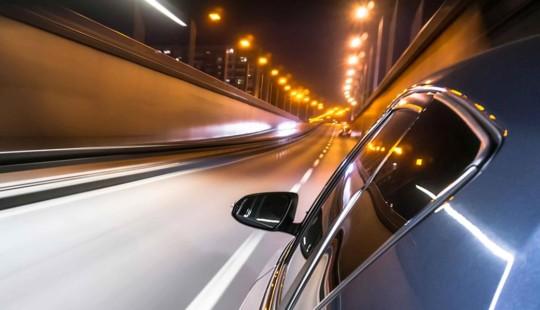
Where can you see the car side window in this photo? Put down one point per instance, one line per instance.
(352, 180)
(431, 155)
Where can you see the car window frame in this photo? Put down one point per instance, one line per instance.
(272, 295)
(491, 139)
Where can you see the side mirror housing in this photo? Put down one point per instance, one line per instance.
(272, 211)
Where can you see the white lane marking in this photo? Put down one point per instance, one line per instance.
(212, 292)
(45, 204)
(296, 188)
(40, 205)
(306, 176)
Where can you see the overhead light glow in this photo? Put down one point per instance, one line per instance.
(355, 42)
(352, 60)
(361, 12)
(158, 6)
(244, 43)
(350, 72)
(263, 61)
(214, 16)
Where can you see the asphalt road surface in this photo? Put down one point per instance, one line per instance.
(163, 242)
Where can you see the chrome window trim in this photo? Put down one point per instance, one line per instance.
(490, 140)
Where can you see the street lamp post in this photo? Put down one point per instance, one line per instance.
(192, 42)
(214, 17)
(245, 43)
(262, 61)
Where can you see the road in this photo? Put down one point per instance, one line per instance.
(164, 242)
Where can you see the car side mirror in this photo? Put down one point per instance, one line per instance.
(272, 211)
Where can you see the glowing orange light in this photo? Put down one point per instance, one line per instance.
(355, 42)
(398, 150)
(214, 16)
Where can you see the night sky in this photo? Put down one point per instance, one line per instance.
(306, 37)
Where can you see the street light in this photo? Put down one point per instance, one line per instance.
(244, 43)
(274, 72)
(352, 60)
(350, 72)
(282, 80)
(262, 61)
(214, 17)
(287, 87)
(355, 42)
(361, 13)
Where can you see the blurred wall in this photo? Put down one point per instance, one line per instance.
(58, 93)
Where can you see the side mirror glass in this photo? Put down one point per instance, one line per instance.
(269, 211)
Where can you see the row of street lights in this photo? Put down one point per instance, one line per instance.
(355, 64)
(277, 87)
(272, 84)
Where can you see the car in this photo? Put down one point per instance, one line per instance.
(345, 130)
(436, 207)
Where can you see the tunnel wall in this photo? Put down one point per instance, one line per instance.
(57, 93)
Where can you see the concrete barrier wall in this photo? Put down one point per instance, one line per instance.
(57, 93)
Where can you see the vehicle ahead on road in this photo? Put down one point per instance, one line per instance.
(345, 129)
(430, 210)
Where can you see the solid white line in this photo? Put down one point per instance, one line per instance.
(212, 292)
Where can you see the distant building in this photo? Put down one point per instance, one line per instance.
(223, 63)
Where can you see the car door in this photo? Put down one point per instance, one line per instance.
(429, 140)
